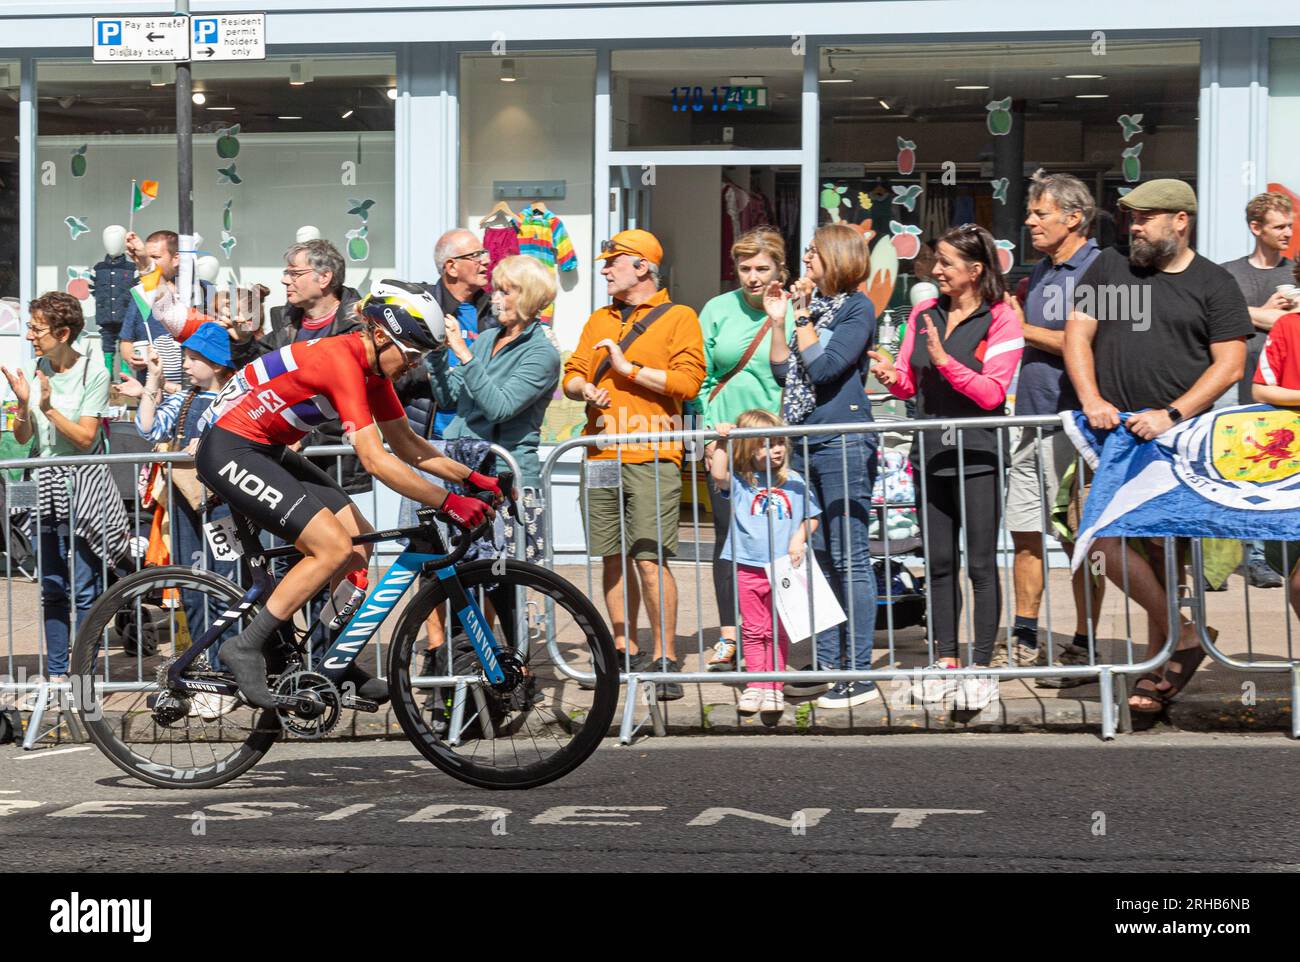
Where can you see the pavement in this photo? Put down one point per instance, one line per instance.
(1155, 803)
(1254, 625)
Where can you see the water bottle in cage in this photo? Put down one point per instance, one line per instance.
(347, 598)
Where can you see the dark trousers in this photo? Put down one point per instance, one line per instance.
(724, 588)
(942, 527)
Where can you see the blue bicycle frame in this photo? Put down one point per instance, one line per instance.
(361, 627)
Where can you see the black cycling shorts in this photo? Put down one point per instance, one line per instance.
(276, 488)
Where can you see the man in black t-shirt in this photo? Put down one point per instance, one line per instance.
(1159, 335)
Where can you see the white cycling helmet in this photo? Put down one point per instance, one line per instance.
(407, 313)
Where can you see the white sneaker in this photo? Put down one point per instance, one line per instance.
(977, 692)
(209, 706)
(933, 686)
(773, 701)
(751, 702)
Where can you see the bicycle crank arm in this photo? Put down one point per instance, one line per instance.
(302, 705)
(359, 704)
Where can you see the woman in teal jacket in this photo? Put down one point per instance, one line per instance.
(507, 376)
(737, 351)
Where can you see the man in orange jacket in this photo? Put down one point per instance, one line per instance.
(638, 388)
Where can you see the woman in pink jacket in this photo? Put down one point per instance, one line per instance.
(958, 356)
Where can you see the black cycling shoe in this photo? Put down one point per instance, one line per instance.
(365, 685)
(247, 662)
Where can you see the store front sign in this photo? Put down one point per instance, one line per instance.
(141, 39)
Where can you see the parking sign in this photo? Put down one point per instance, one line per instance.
(141, 39)
(240, 36)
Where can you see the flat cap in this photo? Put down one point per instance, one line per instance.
(1164, 194)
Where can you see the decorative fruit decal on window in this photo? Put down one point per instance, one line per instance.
(906, 239)
(229, 175)
(1132, 163)
(1000, 189)
(228, 215)
(228, 242)
(228, 142)
(1006, 260)
(1130, 124)
(906, 196)
(79, 283)
(360, 208)
(78, 163)
(76, 225)
(358, 246)
(831, 199)
(999, 118)
(906, 156)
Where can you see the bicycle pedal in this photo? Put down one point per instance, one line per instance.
(359, 704)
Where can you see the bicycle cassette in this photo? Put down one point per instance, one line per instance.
(319, 704)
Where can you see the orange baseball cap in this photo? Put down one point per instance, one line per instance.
(639, 243)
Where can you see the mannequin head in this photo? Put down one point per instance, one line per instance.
(307, 233)
(206, 268)
(114, 240)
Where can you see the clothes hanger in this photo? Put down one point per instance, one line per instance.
(500, 209)
(540, 206)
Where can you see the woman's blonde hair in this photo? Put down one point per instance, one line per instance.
(761, 240)
(535, 283)
(846, 262)
(745, 450)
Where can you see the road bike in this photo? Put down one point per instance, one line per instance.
(520, 692)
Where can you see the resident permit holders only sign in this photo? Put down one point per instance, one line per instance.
(234, 37)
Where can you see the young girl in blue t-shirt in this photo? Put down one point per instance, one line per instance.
(773, 514)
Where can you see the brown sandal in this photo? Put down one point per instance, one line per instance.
(1186, 662)
(1154, 694)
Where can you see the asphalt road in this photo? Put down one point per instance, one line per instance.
(1164, 803)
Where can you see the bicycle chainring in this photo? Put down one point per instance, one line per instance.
(323, 693)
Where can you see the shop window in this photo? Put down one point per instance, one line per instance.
(278, 145)
(1284, 125)
(915, 138)
(742, 98)
(527, 126)
(9, 80)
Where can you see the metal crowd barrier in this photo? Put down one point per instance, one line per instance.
(642, 685)
(35, 693)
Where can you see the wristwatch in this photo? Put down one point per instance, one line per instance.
(802, 320)
(1175, 415)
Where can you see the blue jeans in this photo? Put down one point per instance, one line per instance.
(84, 579)
(190, 548)
(843, 544)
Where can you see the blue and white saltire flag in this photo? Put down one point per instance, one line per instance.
(1229, 473)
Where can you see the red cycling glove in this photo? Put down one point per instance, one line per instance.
(469, 513)
(484, 482)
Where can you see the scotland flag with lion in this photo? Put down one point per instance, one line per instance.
(1229, 473)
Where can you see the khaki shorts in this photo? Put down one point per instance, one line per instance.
(1025, 499)
(649, 514)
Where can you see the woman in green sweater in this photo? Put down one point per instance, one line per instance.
(737, 348)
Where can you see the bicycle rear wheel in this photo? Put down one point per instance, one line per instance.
(526, 735)
(124, 718)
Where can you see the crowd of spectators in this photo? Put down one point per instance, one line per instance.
(771, 354)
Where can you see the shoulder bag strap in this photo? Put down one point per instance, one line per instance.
(744, 358)
(639, 328)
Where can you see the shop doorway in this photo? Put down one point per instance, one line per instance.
(697, 211)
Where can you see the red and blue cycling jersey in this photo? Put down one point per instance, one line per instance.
(283, 395)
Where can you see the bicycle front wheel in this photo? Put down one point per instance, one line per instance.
(511, 736)
(171, 744)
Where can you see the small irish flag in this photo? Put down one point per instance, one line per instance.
(143, 193)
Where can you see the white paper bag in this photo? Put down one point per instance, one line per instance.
(791, 585)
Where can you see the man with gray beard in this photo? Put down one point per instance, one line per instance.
(1158, 369)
